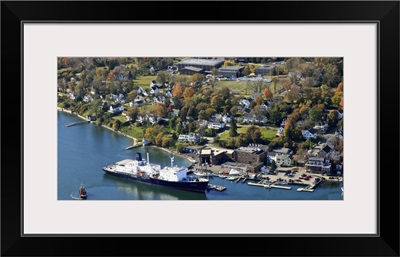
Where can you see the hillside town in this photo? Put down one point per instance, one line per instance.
(260, 116)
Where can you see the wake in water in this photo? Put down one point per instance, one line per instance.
(75, 198)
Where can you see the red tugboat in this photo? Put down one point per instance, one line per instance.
(82, 192)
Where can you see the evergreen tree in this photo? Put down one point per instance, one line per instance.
(273, 166)
(233, 128)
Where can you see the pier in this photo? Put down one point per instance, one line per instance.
(76, 123)
(133, 146)
(278, 187)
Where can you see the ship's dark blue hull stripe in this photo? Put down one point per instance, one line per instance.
(199, 186)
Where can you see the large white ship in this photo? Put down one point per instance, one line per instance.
(142, 171)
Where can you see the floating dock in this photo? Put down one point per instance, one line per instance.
(259, 184)
(278, 187)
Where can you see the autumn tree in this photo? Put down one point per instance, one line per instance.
(197, 78)
(228, 63)
(132, 113)
(246, 71)
(275, 81)
(188, 93)
(315, 113)
(177, 90)
(234, 110)
(167, 141)
(163, 77)
(267, 94)
(333, 118)
(253, 133)
(291, 97)
(160, 109)
(217, 102)
(159, 139)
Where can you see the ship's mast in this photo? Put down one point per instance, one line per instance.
(172, 161)
(148, 159)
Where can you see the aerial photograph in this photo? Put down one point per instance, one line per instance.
(200, 128)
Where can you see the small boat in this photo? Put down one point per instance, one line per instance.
(203, 174)
(222, 176)
(231, 178)
(82, 192)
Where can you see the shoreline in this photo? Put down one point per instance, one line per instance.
(135, 140)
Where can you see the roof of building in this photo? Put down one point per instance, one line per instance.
(282, 150)
(316, 159)
(206, 151)
(191, 68)
(231, 68)
(199, 61)
(251, 149)
(326, 149)
(265, 67)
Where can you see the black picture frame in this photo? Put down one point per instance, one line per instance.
(385, 14)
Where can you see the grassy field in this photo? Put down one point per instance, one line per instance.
(144, 81)
(119, 117)
(133, 131)
(266, 134)
(235, 86)
(238, 87)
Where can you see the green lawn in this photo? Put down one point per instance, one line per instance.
(238, 87)
(120, 118)
(133, 131)
(266, 134)
(144, 81)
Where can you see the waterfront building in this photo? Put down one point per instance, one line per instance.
(254, 155)
(318, 165)
(214, 156)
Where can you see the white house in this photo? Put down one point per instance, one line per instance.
(87, 98)
(116, 108)
(153, 119)
(141, 119)
(153, 83)
(265, 105)
(126, 116)
(280, 132)
(154, 91)
(226, 118)
(216, 125)
(282, 160)
(72, 95)
(191, 137)
(245, 103)
(248, 118)
(158, 99)
(308, 135)
(168, 93)
(202, 123)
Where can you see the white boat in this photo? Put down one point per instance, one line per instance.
(222, 176)
(203, 174)
(231, 178)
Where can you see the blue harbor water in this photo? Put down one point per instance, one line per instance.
(84, 149)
